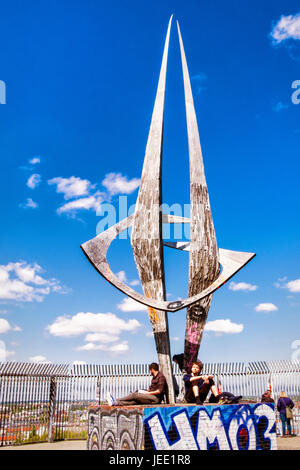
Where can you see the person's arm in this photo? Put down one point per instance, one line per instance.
(292, 404)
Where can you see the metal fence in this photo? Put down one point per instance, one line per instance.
(46, 402)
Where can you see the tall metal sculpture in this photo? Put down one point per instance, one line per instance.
(205, 259)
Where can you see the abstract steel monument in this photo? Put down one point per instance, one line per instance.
(205, 259)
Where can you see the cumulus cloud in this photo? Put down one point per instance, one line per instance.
(33, 181)
(102, 330)
(22, 282)
(288, 27)
(71, 187)
(135, 282)
(131, 305)
(4, 326)
(87, 203)
(39, 360)
(242, 286)
(101, 338)
(224, 327)
(121, 275)
(293, 286)
(85, 323)
(115, 183)
(35, 160)
(5, 353)
(119, 348)
(29, 204)
(266, 307)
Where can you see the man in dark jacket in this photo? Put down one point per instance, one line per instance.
(153, 395)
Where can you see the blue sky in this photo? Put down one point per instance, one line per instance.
(80, 82)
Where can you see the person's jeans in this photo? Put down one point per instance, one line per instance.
(138, 399)
(285, 421)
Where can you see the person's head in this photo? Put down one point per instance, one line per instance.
(197, 367)
(267, 393)
(153, 368)
(175, 358)
(282, 394)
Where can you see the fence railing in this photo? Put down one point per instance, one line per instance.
(46, 402)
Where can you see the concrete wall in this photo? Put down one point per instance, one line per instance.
(185, 427)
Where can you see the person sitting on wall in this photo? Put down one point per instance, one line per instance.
(178, 359)
(266, 397)
(154, 395)
(198, 386)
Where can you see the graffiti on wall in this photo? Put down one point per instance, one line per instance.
(229, 427)
(115, 429)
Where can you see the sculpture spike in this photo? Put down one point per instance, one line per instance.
(204, 256)
(146, 238)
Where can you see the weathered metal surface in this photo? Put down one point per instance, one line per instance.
(146, 237)
(96, 250)
(203, 262)
(147, 244)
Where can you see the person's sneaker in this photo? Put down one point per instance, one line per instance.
(110, 399)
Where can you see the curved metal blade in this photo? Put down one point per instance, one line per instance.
(146, 238)
(203, 260)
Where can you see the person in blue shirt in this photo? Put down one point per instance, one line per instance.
(283, 403)
(197, 386)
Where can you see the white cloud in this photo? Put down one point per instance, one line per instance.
(33, 181)
(71, 187)
(135, 282)
(101, 328)
(242, 286)
(79, 363)
(17, 328)
(115, 183)
(130, 305)
(224, 327)
(119, 348)
(22, 282)
(150, 334)
(121, 275)
(4, 353)
(266, 307)
(35, 160)
(293, 286)
(101, 338)
(4, 326)
(86, 203)
(29, 204)
(39, 360)
(81, 323)
(175, 338)
(288, 27)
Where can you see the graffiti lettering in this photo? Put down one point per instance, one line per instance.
(231, 427)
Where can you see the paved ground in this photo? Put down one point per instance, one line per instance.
(61, 445)
(287, 443)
